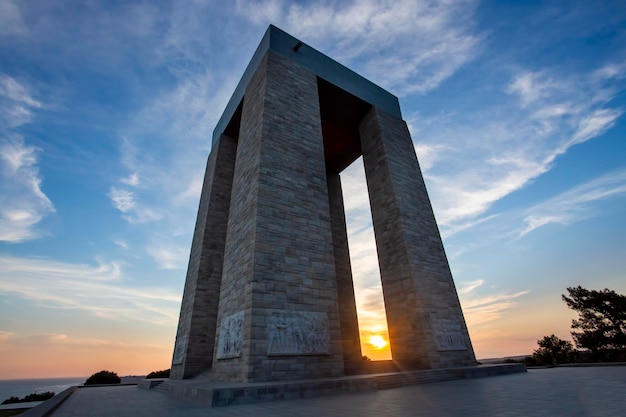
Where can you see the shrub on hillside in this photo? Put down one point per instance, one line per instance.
(159, 374)
(103, 377)
(42, 396)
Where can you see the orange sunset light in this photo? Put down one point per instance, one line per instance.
(378, 342)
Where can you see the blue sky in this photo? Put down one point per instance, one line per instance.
(107, 108)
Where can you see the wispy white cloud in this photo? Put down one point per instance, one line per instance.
(168, 256)
(121, 243)
(575, 204)
(531, 86)
(17, 92)
(612, 70)
(578, 203)
(429, 153)
(22, 202)
(469, 287)
(595, 124)
(166, 180)
(406, 46)
(489, 154)
(480, 307)
(132, 180)
(99, 289)
(123, 200)
(17, 103)
(165, 145)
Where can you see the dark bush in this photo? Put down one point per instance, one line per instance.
(553, 351)
(42, 396)
(103, 377)
(530, 361)
(11, 400)
(159, 374)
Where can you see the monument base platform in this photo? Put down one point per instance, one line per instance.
(220, 394)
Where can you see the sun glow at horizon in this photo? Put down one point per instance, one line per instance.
(378, 342)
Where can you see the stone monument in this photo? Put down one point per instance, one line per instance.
(269, 293)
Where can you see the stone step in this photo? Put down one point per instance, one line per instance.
(404, 379)
(222, 394)
(162, 387)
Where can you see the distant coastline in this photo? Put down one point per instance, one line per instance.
(22, 387)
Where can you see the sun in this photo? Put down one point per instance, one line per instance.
(378, 342)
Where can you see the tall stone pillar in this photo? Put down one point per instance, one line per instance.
(351, 340)
(424, 317)
(278, 316)
(193, 350)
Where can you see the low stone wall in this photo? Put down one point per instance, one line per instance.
(47, 407)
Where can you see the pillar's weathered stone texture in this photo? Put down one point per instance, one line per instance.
(279, 267)
(351, 342)
(269, 292)
(193, 350)
(425, 321)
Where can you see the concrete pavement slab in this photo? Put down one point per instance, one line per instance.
(571, 392)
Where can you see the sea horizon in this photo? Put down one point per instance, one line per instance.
(21, 387)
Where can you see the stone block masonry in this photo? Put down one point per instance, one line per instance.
(279, 258)
(269, 293)
(426, 324)
(193, 350)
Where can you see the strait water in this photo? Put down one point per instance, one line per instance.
(22, 387)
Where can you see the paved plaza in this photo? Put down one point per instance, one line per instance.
(591, 391)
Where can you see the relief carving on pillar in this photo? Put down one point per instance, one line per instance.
(448, 335)
(297, 333)
(231, 336)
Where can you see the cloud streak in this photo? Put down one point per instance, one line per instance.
(484, 308)
(22, 202)
(405, 46)
(101, 290)
(17, 102)
(168, 256)
(578, 203)
(575, 204)
(487, 155)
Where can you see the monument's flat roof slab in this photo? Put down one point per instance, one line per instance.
(324, 67)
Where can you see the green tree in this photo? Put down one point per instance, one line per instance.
(103, 377)
(601, 326)
(553, 351)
